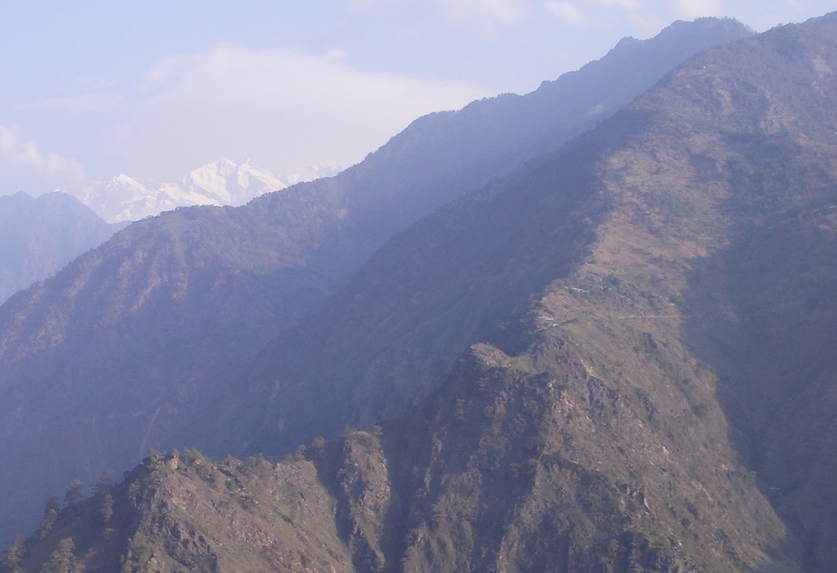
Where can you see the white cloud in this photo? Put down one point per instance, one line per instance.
(566, 12)
(283, 109)
(19, 153)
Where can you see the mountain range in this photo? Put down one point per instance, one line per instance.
(132, 344)
(221, 183)
(657, 291)
(42, 235)
(612, 354)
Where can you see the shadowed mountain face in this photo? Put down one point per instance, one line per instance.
(40, 235)
(456, 276)
(125, 348)
(670, 271)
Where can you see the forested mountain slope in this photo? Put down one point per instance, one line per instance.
(458, 274)
(682, 253)
(124, 349)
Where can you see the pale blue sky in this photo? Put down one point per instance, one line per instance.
(155, 88)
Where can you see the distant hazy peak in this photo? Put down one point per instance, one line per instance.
(39, 235)
(223, 182)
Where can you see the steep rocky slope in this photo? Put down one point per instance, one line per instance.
(683, 251)
(124, 349)
(518, 463)
(458, 274)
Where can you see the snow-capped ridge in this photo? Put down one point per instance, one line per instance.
(221, 183)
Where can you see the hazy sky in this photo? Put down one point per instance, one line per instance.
(155, 88)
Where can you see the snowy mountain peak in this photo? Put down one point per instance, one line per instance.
(223, 182)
